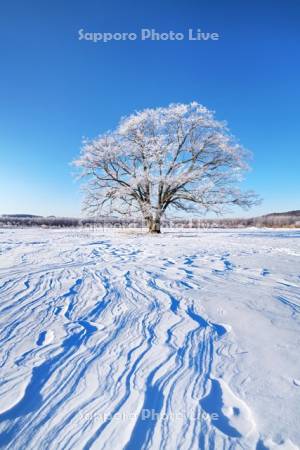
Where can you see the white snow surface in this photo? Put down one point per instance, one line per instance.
(123, 340)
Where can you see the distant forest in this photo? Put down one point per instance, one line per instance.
(290, 219)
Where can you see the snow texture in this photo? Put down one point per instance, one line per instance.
(122, 340)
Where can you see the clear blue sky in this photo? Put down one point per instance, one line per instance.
(55, 89)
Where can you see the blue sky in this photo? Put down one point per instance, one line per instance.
(55, 89)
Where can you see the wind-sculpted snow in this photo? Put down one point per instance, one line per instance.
(121, 340)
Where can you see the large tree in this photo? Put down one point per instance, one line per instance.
(179, 157)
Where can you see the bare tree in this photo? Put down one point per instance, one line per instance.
(179, 157)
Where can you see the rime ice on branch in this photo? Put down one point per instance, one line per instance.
(179, 158)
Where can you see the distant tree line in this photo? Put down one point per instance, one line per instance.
(276, 220)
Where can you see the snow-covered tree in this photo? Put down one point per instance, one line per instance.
(179, 157)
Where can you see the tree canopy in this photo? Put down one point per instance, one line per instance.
(177, 158)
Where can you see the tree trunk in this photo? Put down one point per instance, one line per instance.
(154, 225)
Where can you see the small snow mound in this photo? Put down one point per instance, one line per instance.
(234, 416)
(269, 444)
(296, 382)
(45, 337)
(227, 327)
